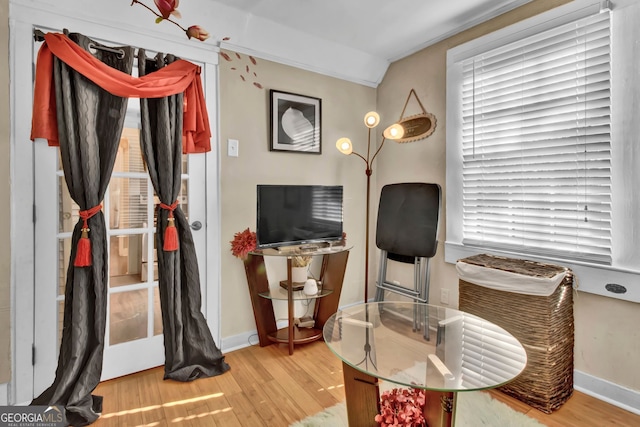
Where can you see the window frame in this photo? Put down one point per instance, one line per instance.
(625, 266)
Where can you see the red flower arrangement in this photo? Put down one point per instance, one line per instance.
(243, 242)
(402, 407)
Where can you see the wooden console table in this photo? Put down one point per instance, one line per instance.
(334, 263)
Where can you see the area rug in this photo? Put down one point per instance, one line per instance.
(474, 409)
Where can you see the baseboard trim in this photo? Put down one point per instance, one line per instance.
(237, 342)
(4, 394)
(245, 339)
(607, 391)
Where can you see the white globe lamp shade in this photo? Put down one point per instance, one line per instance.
(371, 119)
(344, 145)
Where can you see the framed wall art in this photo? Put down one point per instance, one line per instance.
(295, 123)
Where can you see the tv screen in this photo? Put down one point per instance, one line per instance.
(291, 215)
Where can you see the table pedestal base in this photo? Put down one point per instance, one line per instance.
(363, 401)
(363, 398)
(439, 408)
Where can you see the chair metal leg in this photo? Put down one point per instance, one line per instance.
(425, 297)
(416, 288)
(419, 293)
(382, 276)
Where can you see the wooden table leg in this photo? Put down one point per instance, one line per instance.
(290, 305)
(439, 408)
(362, 396)
(262, 307)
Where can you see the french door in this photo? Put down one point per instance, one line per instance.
(133, 340)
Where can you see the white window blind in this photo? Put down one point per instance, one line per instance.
(536, 143)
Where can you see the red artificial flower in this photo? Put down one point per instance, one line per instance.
(401, 407)
(197, 32)
(243, 243)
(168, 7)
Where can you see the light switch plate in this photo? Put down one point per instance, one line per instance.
(444, 296)
(232, 147)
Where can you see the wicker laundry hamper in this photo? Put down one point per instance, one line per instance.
(543, 324)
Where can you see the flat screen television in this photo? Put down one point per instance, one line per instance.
(293, 215)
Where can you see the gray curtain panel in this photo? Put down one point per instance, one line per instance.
(90, 122)
(190, 351)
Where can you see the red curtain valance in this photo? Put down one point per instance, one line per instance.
(179, 76)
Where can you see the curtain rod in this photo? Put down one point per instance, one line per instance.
(38, 35)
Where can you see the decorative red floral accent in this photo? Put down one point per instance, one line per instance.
(197, 32)
(402, 407)
(243, 242)
(168, 7)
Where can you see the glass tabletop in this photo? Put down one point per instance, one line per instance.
(280, 293)
(465, 352)
(307, 250)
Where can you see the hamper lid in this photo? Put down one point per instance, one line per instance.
(512, 275)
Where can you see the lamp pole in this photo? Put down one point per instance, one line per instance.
(345, 146)
(368, 171)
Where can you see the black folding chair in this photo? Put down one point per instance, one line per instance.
(407, 232)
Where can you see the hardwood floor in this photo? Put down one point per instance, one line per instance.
(267, 387)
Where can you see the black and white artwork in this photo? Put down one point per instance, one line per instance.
(295, 123)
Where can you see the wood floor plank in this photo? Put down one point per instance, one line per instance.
(110, 405)
(253, 367)
(150, 400)
(244, 410)
(288, 406)
(304, 394)
(269, 412)
(179, 399)
(129, 399)
(327, 372)
(582, 410)
(266, 387)
(242, 372)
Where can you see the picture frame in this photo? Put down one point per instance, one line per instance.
(295, 122)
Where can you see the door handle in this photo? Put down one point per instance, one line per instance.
(196, 225)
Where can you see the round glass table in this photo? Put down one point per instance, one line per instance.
(463, 352)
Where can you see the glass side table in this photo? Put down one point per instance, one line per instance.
(334, 263)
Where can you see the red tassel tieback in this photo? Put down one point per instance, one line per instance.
(170, 232)
(83, 251)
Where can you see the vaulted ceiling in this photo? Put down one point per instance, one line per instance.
(351, 39)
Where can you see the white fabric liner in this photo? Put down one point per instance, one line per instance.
(508, 281)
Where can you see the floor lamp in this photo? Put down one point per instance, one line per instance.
(344, 145)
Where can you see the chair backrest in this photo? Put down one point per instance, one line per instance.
(409, 219)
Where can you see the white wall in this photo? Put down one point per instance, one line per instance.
(244, 115)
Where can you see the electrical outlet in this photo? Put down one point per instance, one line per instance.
(444, 296)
